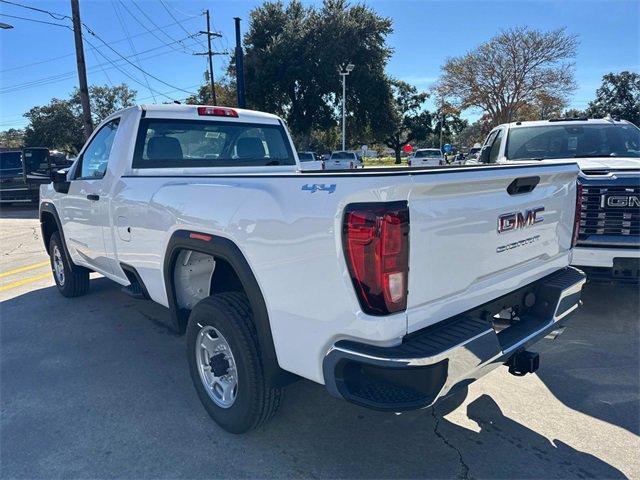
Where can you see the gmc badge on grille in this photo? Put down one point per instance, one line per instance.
(517, 220)
(620, 201)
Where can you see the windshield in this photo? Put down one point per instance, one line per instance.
(427, 154)
(342, 156)
(573, 141)
(10, 160)
(305, 156)
(164, 143)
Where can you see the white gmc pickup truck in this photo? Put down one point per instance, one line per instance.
(391, 287)
(608, 154)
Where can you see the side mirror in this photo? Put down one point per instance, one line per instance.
(484, 154)
(60, 182)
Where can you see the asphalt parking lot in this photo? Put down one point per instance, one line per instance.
(98, 387)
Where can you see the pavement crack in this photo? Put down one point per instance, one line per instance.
(464, 473)
(13, 249)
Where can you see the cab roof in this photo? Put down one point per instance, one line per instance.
(566, 121)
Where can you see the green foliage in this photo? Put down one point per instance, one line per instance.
(58, 125)
(618, 96)
(105, 100)
(12, 138)
(55, 126)
(225, 93)
(408, 120)
(293, 54)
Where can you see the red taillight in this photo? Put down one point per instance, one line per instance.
(576, 220)
(376, 243)
(217, 112)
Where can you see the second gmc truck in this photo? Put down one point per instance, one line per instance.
(391, 287)
(608, 154)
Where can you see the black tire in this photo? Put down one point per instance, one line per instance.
(255, 402)
(75, 281)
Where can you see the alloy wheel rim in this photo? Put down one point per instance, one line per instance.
(58, 266)
(216, 366)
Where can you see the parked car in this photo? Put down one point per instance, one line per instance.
(342, 160)
(13, 185)
(426, 157)
(308, 161)
(391, 288)
(608, 154)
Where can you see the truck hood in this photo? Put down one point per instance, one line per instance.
(599, 163)
(608, 163)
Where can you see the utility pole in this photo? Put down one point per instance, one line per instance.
(210, 53)
(239, 67)
(82, 70)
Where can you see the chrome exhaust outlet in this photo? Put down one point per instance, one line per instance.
(553, 334)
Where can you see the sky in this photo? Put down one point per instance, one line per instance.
(37, 60)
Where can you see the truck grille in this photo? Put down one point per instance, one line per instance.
(598, 217)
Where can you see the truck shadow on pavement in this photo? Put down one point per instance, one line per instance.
(595, 363)
(92, 388)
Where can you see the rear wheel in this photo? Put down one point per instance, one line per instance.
(71, 280)
(225, 365)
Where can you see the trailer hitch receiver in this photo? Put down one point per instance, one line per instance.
(523, 362)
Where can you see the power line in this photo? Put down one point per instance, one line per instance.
(130, 62)
(124, 72)
(179, 23)
(67, 75)
(151, 22)
(57, 16)
(53, 59)
(133, 49)
(35, 21)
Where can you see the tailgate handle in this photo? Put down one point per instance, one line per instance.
(523, 185)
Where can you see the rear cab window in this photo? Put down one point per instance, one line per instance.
(183, 143)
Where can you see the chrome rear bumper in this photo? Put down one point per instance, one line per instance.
(430, 363)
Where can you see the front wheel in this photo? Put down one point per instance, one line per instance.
(71, 280)
(225, 364)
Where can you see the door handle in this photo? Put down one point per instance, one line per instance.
(93, 197)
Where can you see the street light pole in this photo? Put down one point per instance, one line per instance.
(344, 71)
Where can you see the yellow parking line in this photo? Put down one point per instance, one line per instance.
(24, 269)
(24, 281)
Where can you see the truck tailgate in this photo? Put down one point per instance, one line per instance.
(458, 257)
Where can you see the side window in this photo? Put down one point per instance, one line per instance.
(95, 157)
(495, 147)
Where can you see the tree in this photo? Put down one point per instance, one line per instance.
(452, 125)
(293, 54)
(511, 71)
(475, 133)
(12, 138)
(55, 126)
(225, 93)
(574, 113)
(543, 107)
(618, 96)
(58, 125)
(408, 121)
(105, 100)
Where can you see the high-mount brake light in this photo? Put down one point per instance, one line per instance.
(376, 243)
(217, 112)
(578, 214)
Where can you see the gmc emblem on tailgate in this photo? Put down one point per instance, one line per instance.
(517, 220)
(620, 201)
